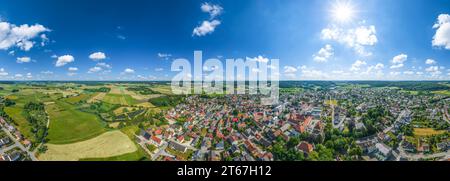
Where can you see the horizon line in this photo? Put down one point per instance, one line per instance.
(223, 81)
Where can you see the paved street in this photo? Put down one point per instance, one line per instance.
(418, 156)
(2, 151)
(18, 144)
(399, 118)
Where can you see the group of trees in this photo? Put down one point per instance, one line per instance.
(37, 117)
(165, 101)
(8, 102)
(4, 115)
(144, 90)
(374, 116)
(341, 143)
(101, 89)
(408, 85)
(286, 151)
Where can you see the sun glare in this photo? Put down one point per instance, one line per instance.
(343, 11)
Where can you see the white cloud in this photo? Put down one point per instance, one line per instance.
(48, 72)
(29, 76)
(379, 66)
(394, 73)
(430, 62)
(399, 58)
(73, 69)
(396, 66)
(314, 74)
(19, 36)
(3, 72)
(104, 65)
(356, 38)
(97, 56)
(289, 69)
(408, 72)
(433, 70)
(205, 28)
(63, 60)
(164, 56)
(121, 37)
(398, 61)
(18, 76)
(95, 69)
(290, 72)
(324, 54)
(375, 69)
(256, 70)
(357, 65)
(71, 73)
(212, 9)
(290, 76)
(128, 71)
(141, 77)
(44, 39)
(337, 71)
(259, 58)
(23, 59)
(366, 35)
(159, 69)
(442, 36)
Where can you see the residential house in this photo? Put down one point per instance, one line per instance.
(177, 146)
(305, 147)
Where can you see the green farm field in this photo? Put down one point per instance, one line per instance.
(69, 125)
(122, 99)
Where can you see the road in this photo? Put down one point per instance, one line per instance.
(400, 116)
(18, 144)
(418, 156)
(445, 115)
(162, 151)
(2, 151)
(333, 116)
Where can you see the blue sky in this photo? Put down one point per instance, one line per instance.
(138, 39)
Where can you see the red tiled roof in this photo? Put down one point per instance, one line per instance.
(158, 132)
(305, 147)
(156, 139)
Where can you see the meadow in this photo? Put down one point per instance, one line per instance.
(69, 125)
(114, 145)
(442, 92)
(78, 98)
(427, 132)
(121, 99)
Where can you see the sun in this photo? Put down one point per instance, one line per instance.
(343, 11)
